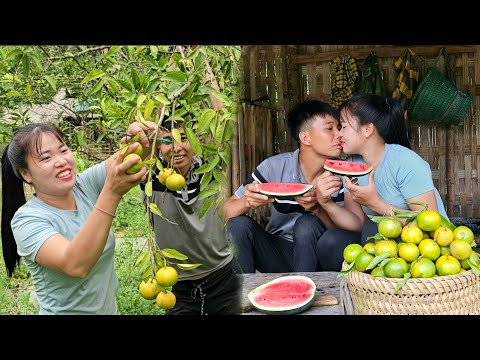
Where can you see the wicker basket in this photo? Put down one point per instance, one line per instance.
(442, 295)
(439, 99)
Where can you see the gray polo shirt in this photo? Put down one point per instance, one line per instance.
(282, 168)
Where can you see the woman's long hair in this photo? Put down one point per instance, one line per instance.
(14, 160)
(385, 113)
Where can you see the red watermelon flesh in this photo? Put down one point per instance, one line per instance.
(348, 168)
(285, 295)
(279, 189)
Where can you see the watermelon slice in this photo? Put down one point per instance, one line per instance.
(285, 295)
(283, 190)
(348, 168)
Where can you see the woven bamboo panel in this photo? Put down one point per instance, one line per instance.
(274, 71)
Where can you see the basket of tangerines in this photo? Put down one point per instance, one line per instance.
(427, 266)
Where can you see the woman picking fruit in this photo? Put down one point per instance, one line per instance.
(64, 231)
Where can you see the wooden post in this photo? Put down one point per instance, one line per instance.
(450, 169)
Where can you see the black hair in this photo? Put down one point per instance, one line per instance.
(14, 159)
(304, 113)
(385, 113)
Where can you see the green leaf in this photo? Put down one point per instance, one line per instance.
(148, 191)
(212, 190)
(141, 98)
(97, 86)
(193, 141)
(402, 282)
(81, 137)
(377, 219)
(205, 119)
(377, 260)
(188, 266)
(176, 76)
(154, 51)
(162, 98)
(385, 262)
(141, 257)
(174, 254)
(205, 180)
(176, 136)
(419, 203)
(29, 90)
(346, 270)
(219, 132)
(159, 165)
(225, 155)
(154, 209)
(148, 109)
(92, 75)
(13, 94)
(147, 273)
(473, 266)
(406, 214)
(205, 207)
(219, 176)
(149, 162)
(51, 81)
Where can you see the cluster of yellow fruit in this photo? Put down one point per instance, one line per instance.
(171, 179)
(155, 288)
(426, 247)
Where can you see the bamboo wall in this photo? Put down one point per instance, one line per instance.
(285, 75)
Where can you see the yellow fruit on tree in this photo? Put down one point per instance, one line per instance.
(164, 174)
(175, 182)
(135, 167)
(150, 289)
(166, 299)
(166, 276)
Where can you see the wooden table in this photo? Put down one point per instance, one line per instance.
(327, 284)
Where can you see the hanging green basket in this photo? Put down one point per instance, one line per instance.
(439, 99)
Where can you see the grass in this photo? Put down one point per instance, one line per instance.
(129, 224)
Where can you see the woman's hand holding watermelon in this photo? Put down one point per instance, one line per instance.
(363, 195)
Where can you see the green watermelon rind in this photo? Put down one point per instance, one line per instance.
(338, 171)
(283, 194)
(284, 310)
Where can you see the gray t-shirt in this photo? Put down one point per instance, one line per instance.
(203, 241)
(282, 168)
(59, 293)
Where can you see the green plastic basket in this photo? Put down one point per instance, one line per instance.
(439, 99)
